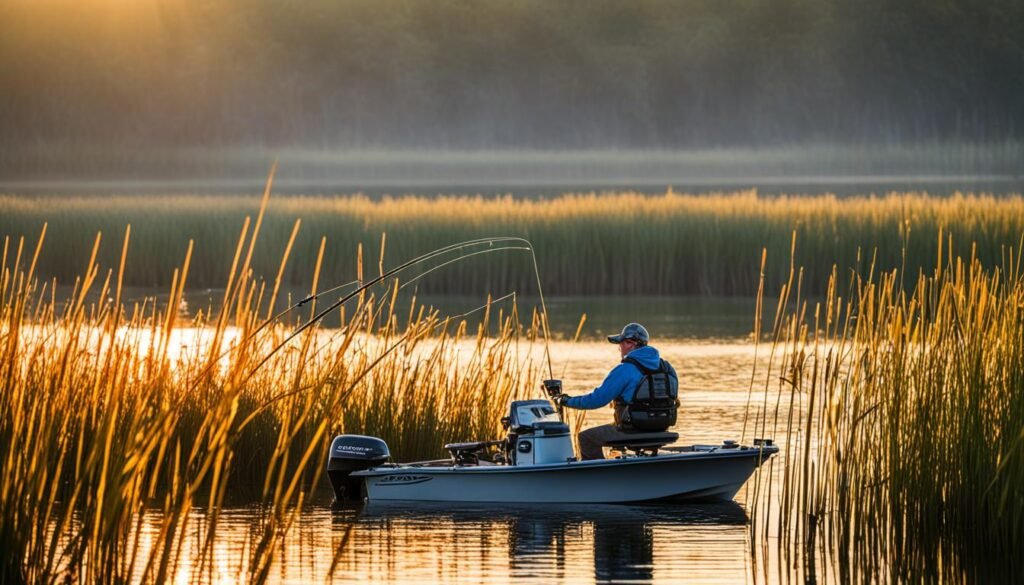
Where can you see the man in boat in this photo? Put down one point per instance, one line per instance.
(644, 389)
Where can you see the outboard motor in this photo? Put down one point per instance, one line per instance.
(353, 453)
(535, 435)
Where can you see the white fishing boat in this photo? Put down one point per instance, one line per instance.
(535, 463)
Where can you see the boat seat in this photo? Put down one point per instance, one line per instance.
(641, 443)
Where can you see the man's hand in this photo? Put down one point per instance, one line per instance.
(561, 399)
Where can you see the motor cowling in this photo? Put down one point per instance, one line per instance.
(353, 453)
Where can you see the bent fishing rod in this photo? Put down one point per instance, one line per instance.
(490, 241)
(419, 259)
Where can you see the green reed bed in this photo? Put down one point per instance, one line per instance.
(901, 410)
(110, 411)
(586, 243)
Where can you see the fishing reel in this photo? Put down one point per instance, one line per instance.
(553, 388)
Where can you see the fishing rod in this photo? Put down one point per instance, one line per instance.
(402, 267)
(425, 257)
(419, 259)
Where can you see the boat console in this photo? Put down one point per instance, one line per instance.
(536, 435)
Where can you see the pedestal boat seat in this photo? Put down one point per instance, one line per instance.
(642, 443)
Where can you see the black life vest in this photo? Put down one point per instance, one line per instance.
(655, 401)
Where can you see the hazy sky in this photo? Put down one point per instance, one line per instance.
(125, 74)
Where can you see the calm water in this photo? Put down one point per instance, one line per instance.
(429, 543)
(499, 543)
(674, 318)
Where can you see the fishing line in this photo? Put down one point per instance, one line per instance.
(544, 313)
(575, 340)
(459, 259)
(422, 258)
(428, 256)
(380, 308)
(490, 241)
(319, 316)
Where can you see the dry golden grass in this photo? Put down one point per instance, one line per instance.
(111, 410)
(903, 449)
(586, 243)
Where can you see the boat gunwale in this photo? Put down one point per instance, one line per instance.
(762, 453)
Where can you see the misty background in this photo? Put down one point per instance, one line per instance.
(356, 92)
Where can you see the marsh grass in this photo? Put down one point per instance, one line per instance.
(612, 243)
(901, 416)
(900, 404)
(111, 410)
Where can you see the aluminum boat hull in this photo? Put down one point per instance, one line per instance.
(700, 475)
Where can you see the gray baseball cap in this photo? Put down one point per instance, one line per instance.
(634, 331)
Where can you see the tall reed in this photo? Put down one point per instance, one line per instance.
(901, 415)
(111, 410)
(610, 243)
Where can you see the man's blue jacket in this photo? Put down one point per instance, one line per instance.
(621, 381)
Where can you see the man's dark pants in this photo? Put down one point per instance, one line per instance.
(592, 440)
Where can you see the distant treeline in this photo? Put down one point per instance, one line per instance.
(529, 73)
(585, 244)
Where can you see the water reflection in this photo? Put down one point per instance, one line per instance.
(541, 543)
(666, 317)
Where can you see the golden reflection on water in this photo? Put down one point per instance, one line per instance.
(451, 543)
(568, 544)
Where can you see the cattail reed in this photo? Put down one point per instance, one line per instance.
(111, 410)
(902, 423)
(692, 244)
